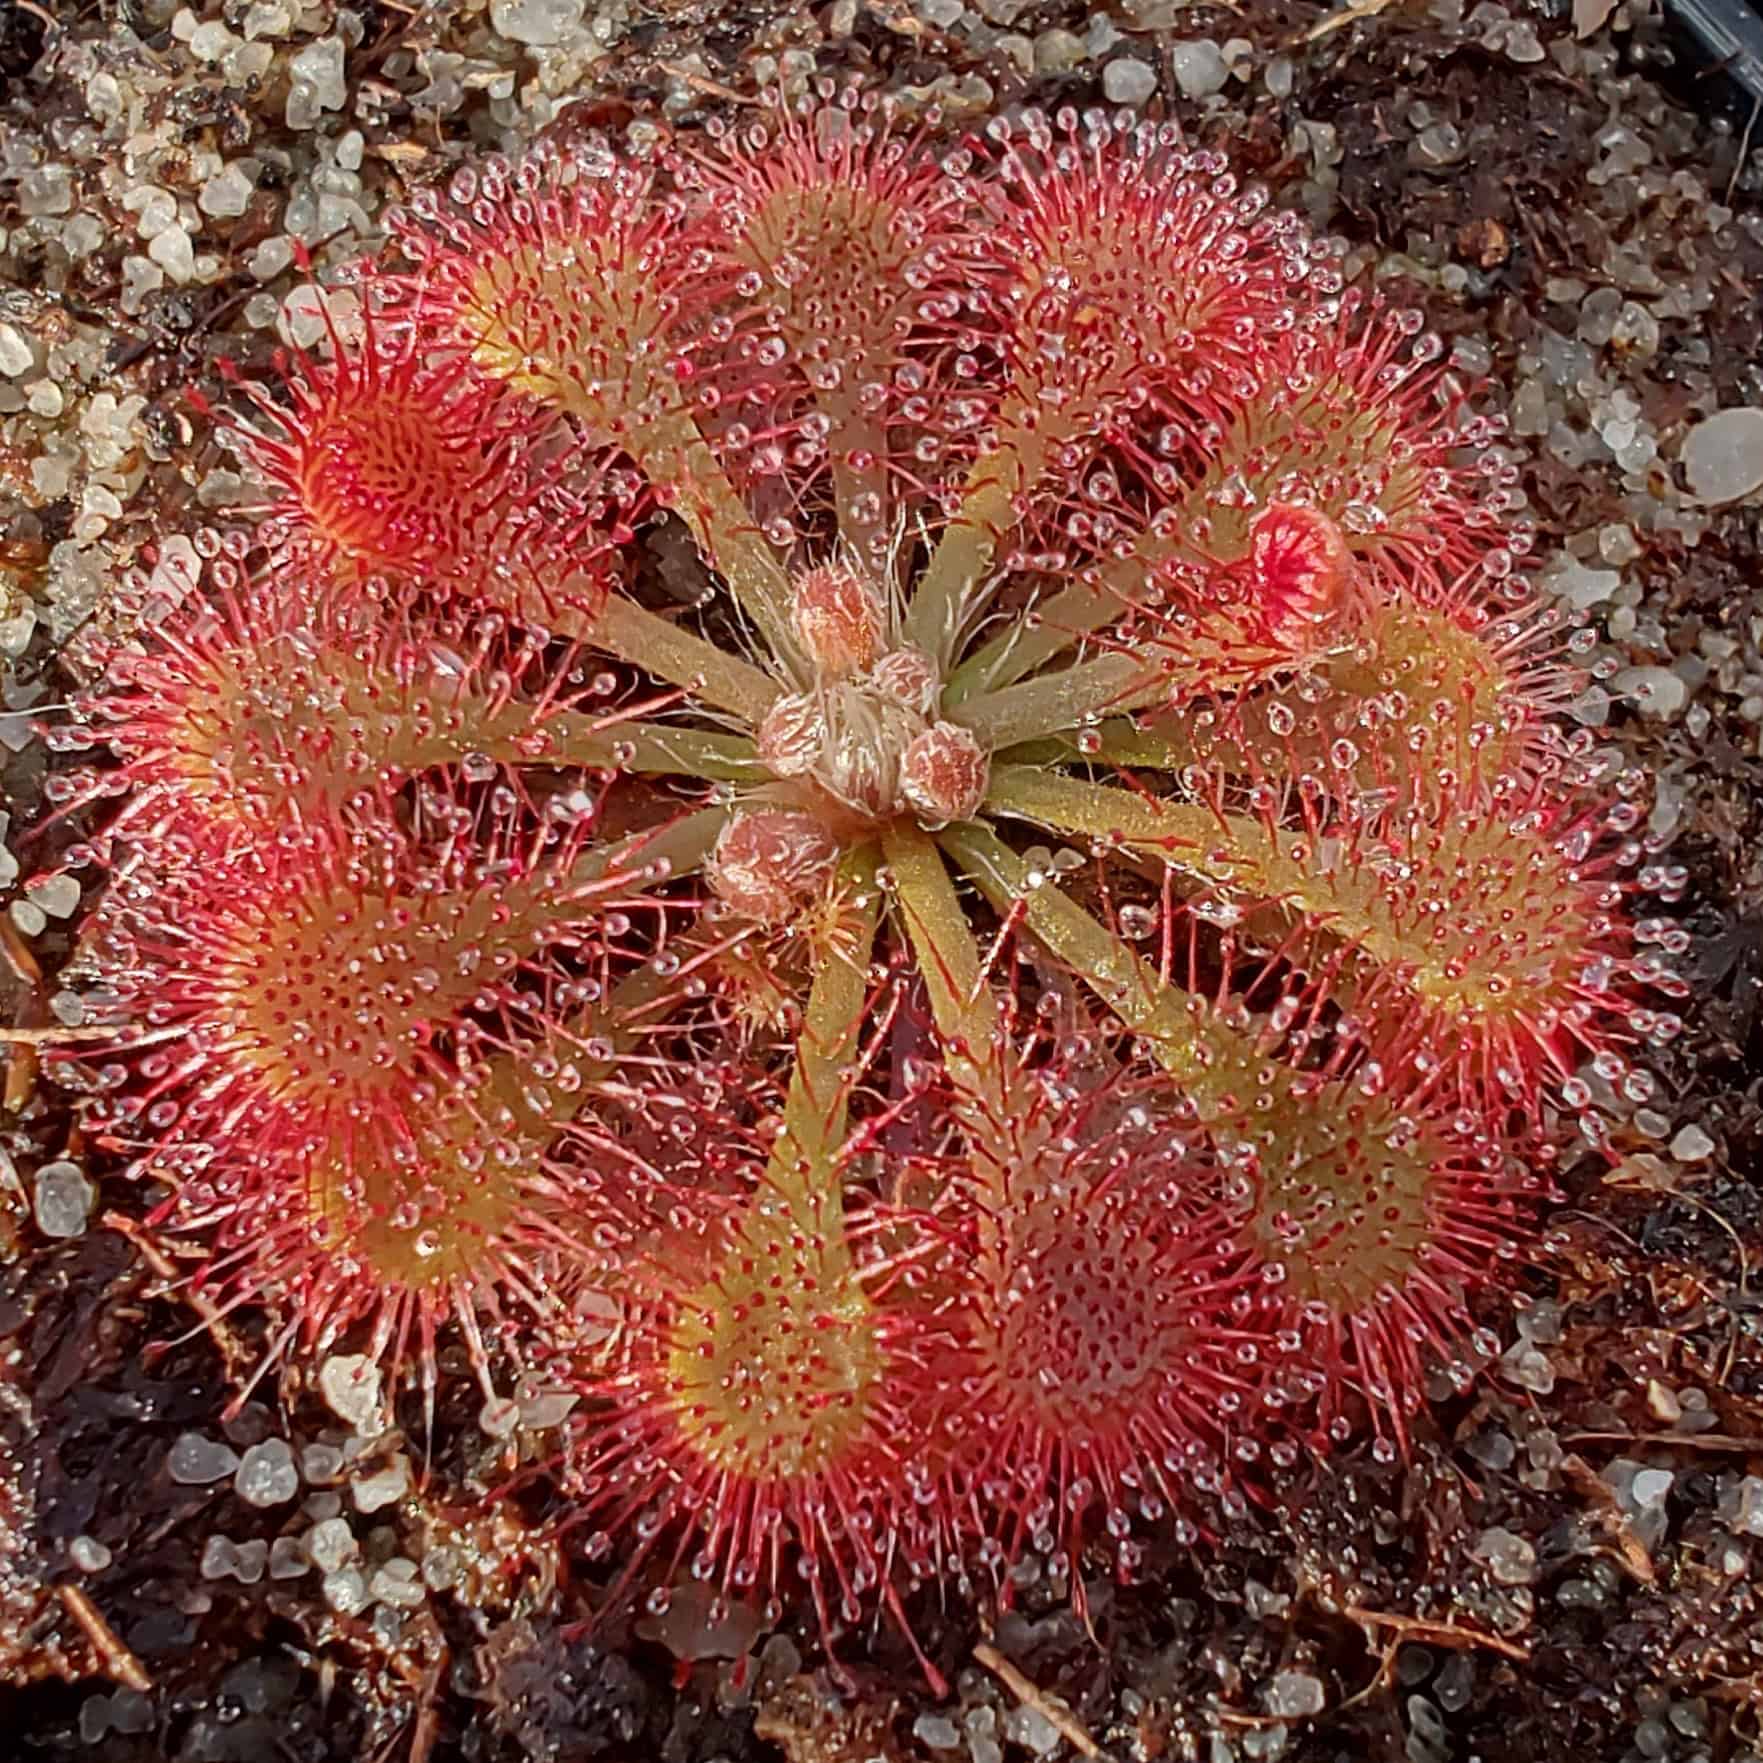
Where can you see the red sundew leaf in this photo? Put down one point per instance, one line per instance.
(286, 699)
(1103, 1359)
(761, 1431)
(1476, 937)
(847, 240)
(1082, 235)
(855, 327)
(1373, 1245)
(383, 465)
(566, 282)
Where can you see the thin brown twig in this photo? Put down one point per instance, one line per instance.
(1703, 1209)
(1386, 1664)
(1445, 1634)
(1054, 1713)
(1338, 21)
(1241, 1717)
(178, 1282)
(1698, 1441)
(1732, 1316)
(1628, 1549)
(1738, 165)
(426, 1728)
(708, 87)
(120, 1665)
(52, 26)
(21, 1068)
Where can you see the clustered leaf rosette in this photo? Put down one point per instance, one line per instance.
(1100, 615)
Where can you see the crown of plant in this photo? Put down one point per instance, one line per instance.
(1046, 486)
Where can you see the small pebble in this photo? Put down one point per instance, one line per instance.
(442, 1568)
(1656, 691)
(210, 40)
(319, 67)
(1691, 1145)
(1529, 1368)
(1455, 1683)
(219, 1558)
(48, 189)
(251, 1425)
(549, 1408)
(249, 1561)
(350, 1384)
(1200, 68)
(1744, 1512)
(287, 1558)
(396, 1583)
(1580, 587)
(499, 1417)
(270, 258)
(88, 1554)
(63, 1199)
(982, 1743)
(373, 1492)
(1723, 456)
(131, 1712)
(267, 18)
(537, 23)
(174, 253)
(94, 1719)
(1102, 38)
(267, 1476)
(1128, 81)
(225, 195)
(345, 1591)
(1428, 1740)
(1439, 144)
(195, 1461)
(1294, 1695)
(936, 1731)
(1057, 51)
(1509, 1558)
(1414, 1665)
(1492, 1449)
(330, 1543)
(15, 352)
(1651, 1486)
(59, 895)
(321, 1464)
(1032, 1730)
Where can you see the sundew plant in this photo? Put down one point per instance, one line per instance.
(895, 804)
